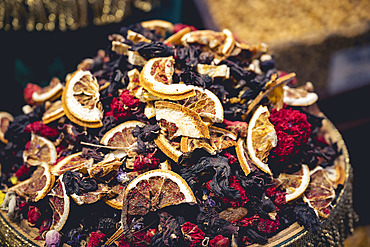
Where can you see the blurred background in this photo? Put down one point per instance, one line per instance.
(325, 42)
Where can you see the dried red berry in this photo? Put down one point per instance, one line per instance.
(123, 106)
(95, 239)
(28, 91)
(34, 215)
(292, 130)
(23, 172)
(41, 129)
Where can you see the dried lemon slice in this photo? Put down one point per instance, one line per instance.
(176, 37)
(50, 92)
(37, 186)
(261, 138)
(296, 183)
(156, 78)
(187, 121)
(81, 100)
(206, 104)
(5, 119)
(54, 112)
(299, 96)
(60, 204)
(320, 192)
(168, 147)
(40, 150)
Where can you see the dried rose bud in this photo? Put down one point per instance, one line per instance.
(52, 238)
(33, 215)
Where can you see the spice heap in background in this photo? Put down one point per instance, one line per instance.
(173, 136)
(301, 34)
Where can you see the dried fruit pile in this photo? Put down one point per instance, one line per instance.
(170, 137)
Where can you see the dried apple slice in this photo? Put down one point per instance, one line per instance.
(156, 78)
(300, 96)
(81, 100)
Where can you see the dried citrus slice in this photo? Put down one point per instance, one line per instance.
(206, 104)
(176, 37)
(336, 173)
(91, 196)
(37, 186)
(242, 154)
(152, 191)
(156, 78)
(50, 92)
(121, 137)
(219, 140)
(300, 96)
(159, 26)
(81, 100)
(320, 192)
(261, 138)
(116, 192)
(73, 162)
(60, 204)
(187, 122)
(40, 150)
(169, 147)
(54, 112)
(5, 119)
(296, 183)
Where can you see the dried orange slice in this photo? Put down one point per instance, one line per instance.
(40, 150)
(73, 162)
(219, 140)
(320, 192)
(121, 137)
(91, 196)
(206, 104)
(60, 204)
(37, 186)
(5, 119)
(159, 26)
(261, 138)
(169, 147)
(336, 173)
(152, 191)
(156, 78)
(242, 154)
(295, 184)
(115, 194)
(81, 100)
(54, 112)
(176, 37)
(300, 96)
(50, 92)
(187, 122)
